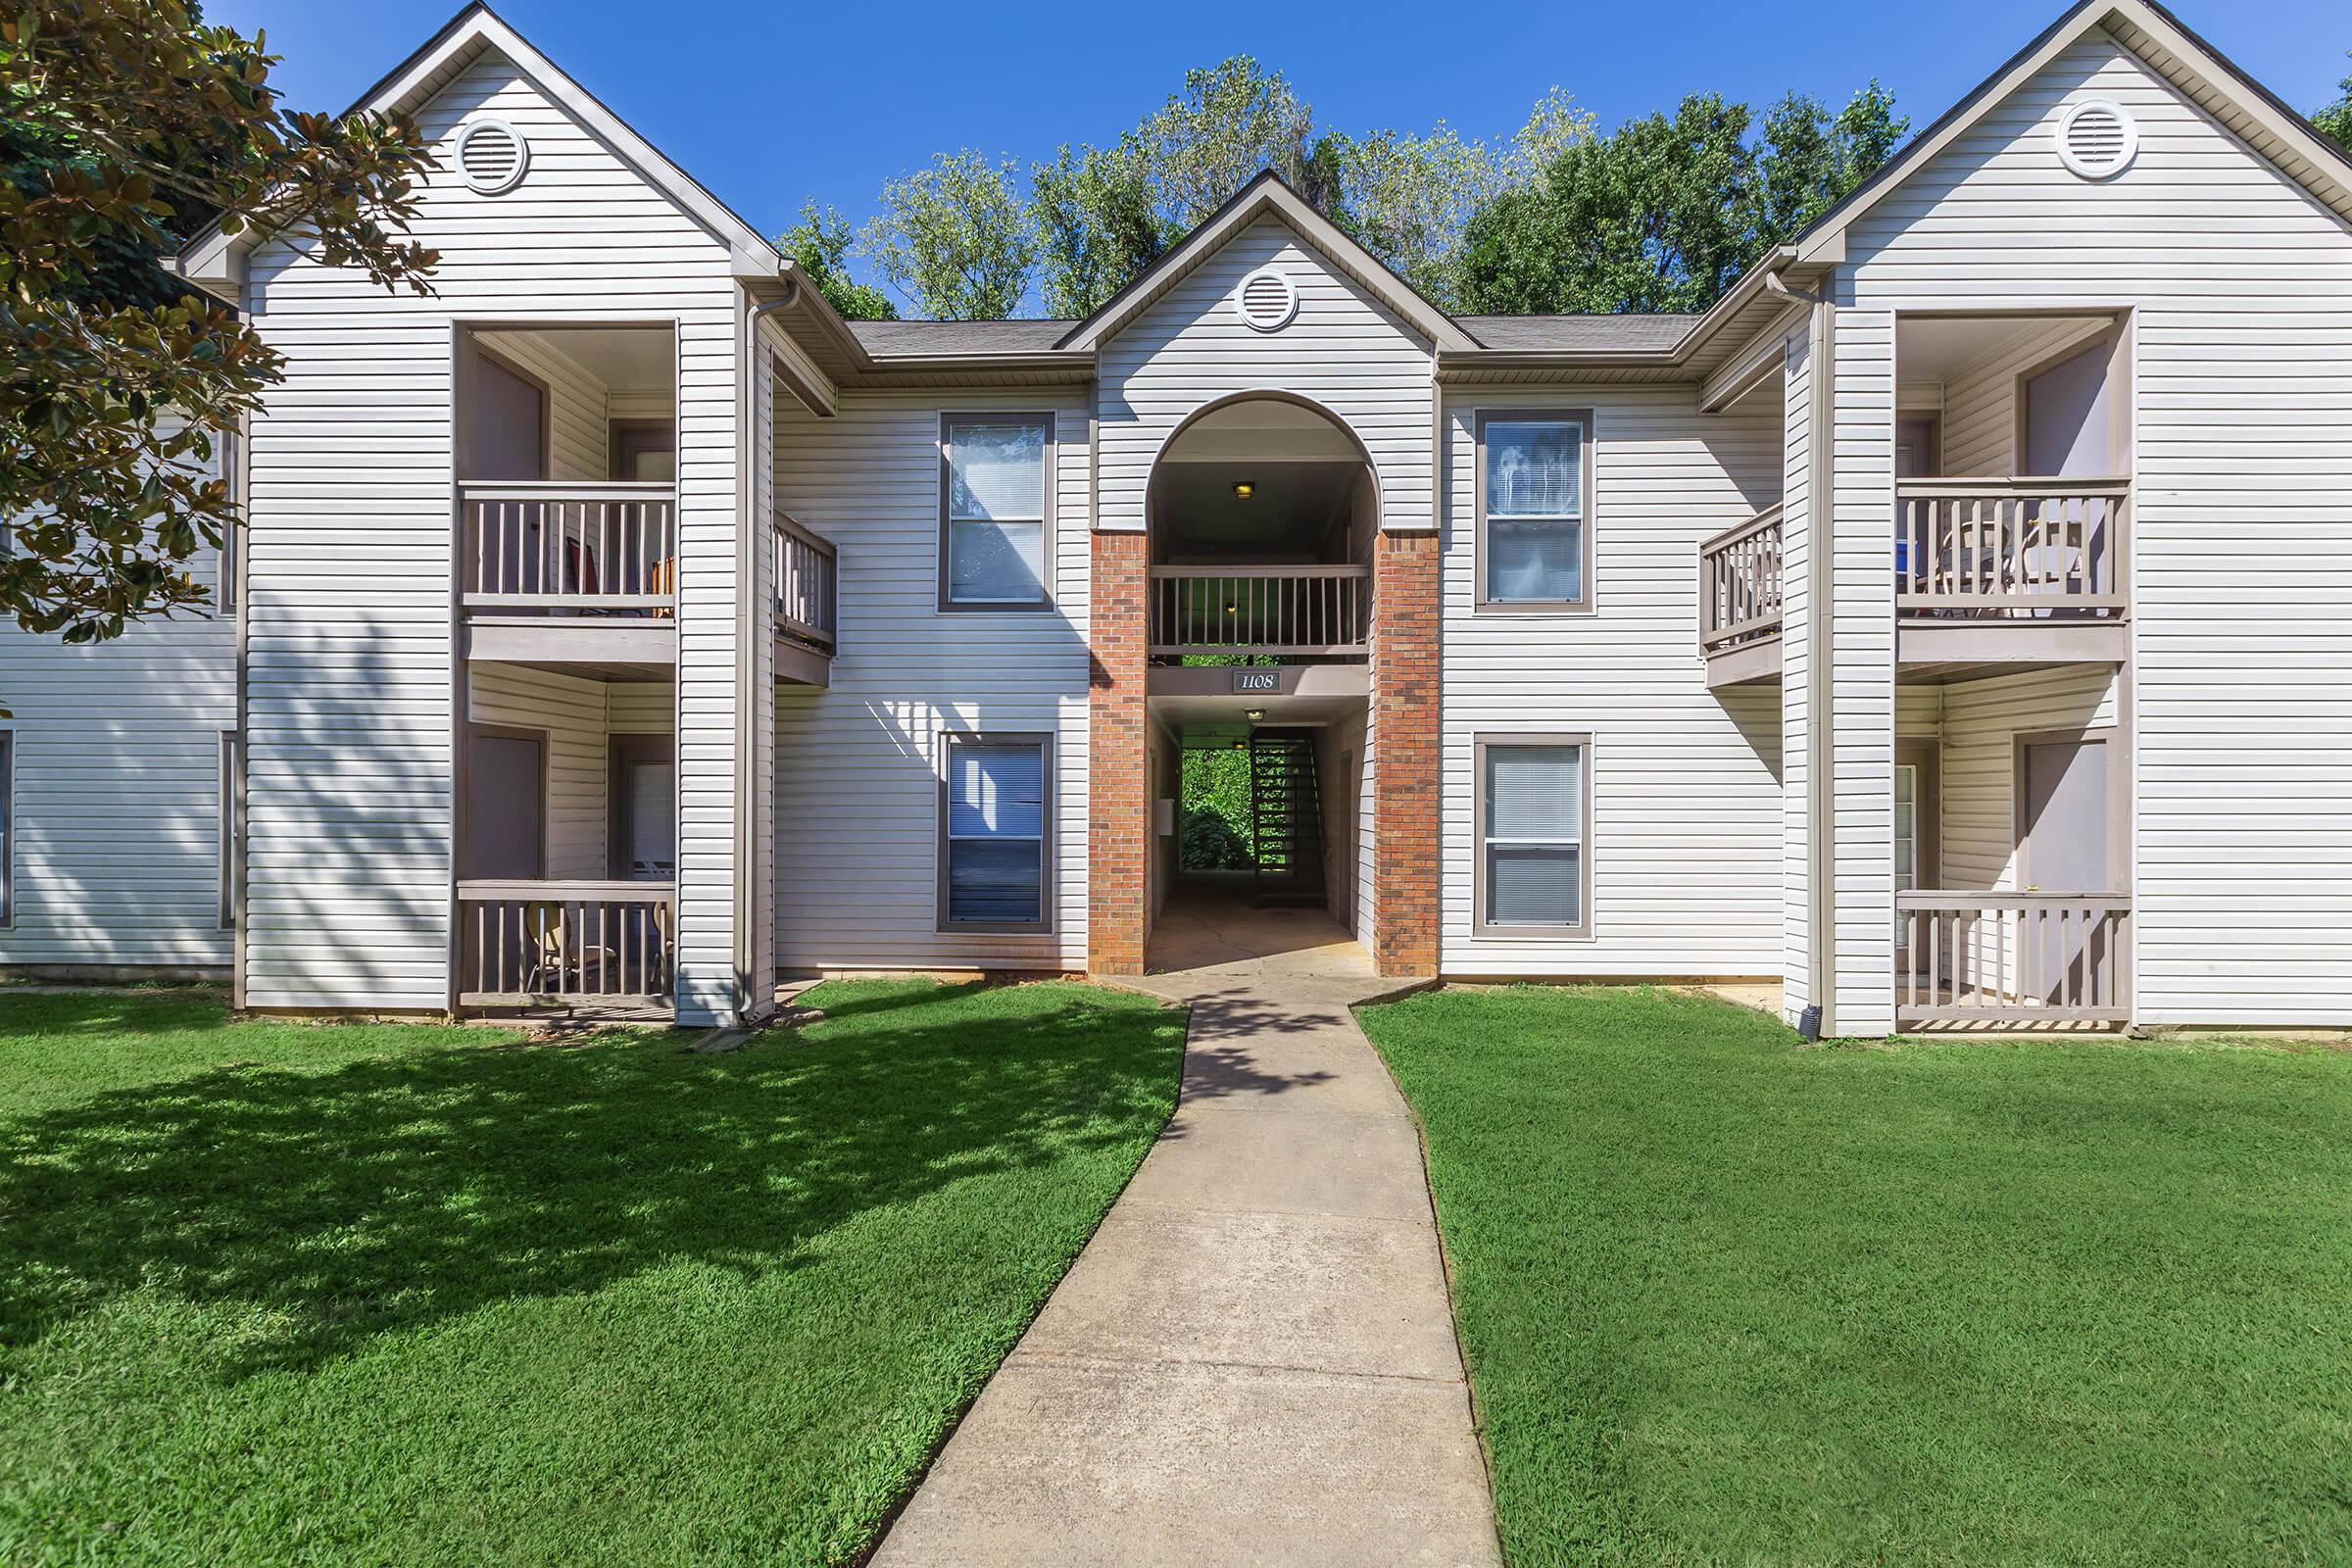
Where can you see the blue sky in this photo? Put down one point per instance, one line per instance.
(770, 106)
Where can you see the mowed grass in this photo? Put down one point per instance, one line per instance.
(376, 1295)
(1730, 1300)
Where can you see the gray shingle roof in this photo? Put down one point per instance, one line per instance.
(1570, 334)
(1558, 335)
(885, 338)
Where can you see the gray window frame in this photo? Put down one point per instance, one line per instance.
(1044, 605)
(1042, 740)
(1480, 928)
(1481, 556)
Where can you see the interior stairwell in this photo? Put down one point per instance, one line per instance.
(1288, 817)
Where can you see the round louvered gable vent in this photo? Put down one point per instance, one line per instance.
(2098, 140)
(492, 156)
(1267, 299)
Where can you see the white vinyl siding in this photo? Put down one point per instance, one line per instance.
(1860, 697)
(1979, 406)
(1796, 705)
(1684, 838)
(1980, 722)
(1345, 351)
(856, 793)
(2240, 291)
(350, 709)
(115, 817)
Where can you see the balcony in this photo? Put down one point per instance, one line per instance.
(603, 947)
(1740, 600)
(1989, 573)
(560, 571)
(2006, 959)
(2011, 570)
(807, 578)
(1292, 613)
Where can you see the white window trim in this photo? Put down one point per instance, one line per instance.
(1049, 551)
(1479, 927)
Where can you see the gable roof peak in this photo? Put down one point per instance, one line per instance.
(1267, 193)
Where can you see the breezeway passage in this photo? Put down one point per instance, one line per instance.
(1254, 1360)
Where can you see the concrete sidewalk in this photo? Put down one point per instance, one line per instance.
(1254, 1360)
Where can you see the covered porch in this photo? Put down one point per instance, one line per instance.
(566, 900)
(2011, 851)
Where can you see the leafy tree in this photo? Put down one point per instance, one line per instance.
(122, 124)
(1096, 226)
(2335, 120)
(1810, 159)
(954, 240)
(1209, 140)
(1102, 215)
(1667, 213)
(819, 242)
(1647, 220)
(1407, 199)
(1219, 826)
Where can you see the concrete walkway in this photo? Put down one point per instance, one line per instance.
(1254, 1360)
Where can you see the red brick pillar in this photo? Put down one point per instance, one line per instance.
(1118, 833)
(1405, 752)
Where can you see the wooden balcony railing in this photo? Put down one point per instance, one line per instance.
(1740, 584)
(2017, 549)
(1260, 610)
(564, 546)
(808, 578)
(540, 944)
(2013, 958)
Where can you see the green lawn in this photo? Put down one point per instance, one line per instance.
(381, 1294)
(1730, 1300)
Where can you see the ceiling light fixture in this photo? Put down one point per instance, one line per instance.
(1243, 489)
(1255, 716)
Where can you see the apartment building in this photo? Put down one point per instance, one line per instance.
(1949, 626)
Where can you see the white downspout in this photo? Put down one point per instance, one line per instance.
(1820, 1017)
(749, 628)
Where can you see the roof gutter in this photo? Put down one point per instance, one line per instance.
(1820, 1015)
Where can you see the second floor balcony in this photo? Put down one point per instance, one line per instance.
(1988, 571)
(1291, 612)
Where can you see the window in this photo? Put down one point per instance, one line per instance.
(1535, 482)
(996, 511)
(994, 809)
(232, 784)
(1533, 876)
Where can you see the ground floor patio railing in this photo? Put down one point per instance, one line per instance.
(524, 944)
(2012, 957)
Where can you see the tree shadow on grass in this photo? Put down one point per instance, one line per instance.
(397, 1191)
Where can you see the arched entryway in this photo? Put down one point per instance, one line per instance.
(1262, 516)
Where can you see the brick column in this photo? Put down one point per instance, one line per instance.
(1405, 752)
(1118, 831)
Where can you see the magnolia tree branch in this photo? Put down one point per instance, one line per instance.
(125, 125)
